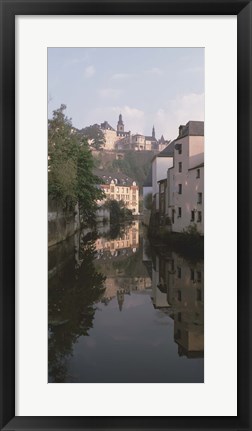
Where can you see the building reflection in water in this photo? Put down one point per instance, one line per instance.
(175, 284)
(87, 272)
(178, 289)
(120, 261)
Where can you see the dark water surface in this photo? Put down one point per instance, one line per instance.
(119, 312)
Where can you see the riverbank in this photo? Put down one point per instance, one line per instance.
(189, 243)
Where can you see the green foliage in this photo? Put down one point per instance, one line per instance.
(192, 231)
(135, 165)
(189, 243)
(70, 166)
(94, 134)
(148, 201)
(118, 211)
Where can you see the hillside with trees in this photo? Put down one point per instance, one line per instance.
(134, 164)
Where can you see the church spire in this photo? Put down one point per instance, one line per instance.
(120, 125)
(153, 132)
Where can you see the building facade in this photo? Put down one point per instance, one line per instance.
(184, 203)
(120, 139)
(110, 136)
(128, 192)
(160, 163)
(179, 284)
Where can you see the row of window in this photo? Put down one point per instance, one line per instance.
(199, 195)
(195, 275)
(193, 218)
(179, 298)
(112, 189)
(118, 197)
(180, 169)
(199, 218)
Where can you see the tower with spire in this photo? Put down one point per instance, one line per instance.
(120, 298)
(153, 132)
(120, 125)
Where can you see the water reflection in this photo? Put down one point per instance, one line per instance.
(116, 307)
(74, 287)
(178, 287)
(119, 259)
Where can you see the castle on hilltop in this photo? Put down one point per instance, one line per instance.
(121, 140)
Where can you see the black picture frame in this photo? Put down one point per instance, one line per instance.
(8, 10)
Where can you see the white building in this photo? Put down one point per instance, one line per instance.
(159, 289)
(185, 192)
(160, 164)
(147, 190)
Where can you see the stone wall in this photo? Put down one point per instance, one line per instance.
(61, 224)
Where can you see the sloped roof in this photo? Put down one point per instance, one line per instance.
(197, 166)
(106, 126)
(150, 138)
(192, 128)
(168, 151)
(107, 177)
(196, 160)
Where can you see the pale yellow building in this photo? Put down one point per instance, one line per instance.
(128, 193)
(119, 139)
(129, 239)
(112, 136)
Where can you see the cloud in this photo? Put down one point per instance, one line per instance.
(132, 112)
(134, 118)
(118, 76)
(89, 71)
(194, 69)
(111, 93)
(155, 71)
(184, 108)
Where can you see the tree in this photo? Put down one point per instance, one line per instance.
(70, 166)
(95, 135)
(118, 211)
(87, 183)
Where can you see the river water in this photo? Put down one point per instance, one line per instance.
(121, 312)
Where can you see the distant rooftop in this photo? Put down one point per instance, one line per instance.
(106, 126)
(118, 178)
(150, 138)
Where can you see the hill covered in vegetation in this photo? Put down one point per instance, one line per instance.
(133, 164)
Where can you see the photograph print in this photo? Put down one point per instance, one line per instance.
(126, 215)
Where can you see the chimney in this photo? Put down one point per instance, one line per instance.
(181, 130)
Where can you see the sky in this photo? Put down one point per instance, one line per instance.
(163, 87)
